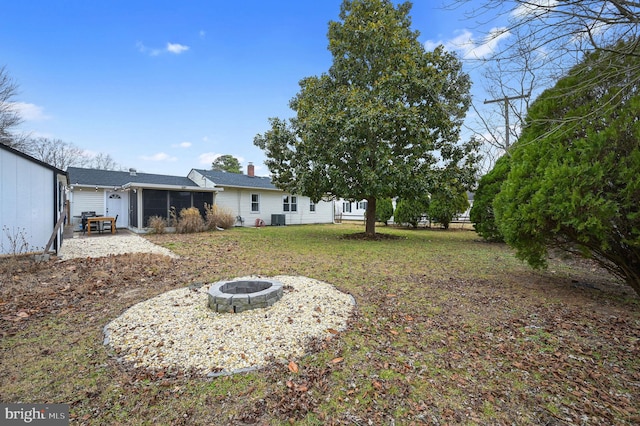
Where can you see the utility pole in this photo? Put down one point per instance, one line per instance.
(506, 100)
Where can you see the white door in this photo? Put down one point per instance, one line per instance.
(117, 205)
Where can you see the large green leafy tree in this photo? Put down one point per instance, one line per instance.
(574, 182)
(383, 122)
(226, 163)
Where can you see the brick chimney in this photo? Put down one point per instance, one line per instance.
(250, 170)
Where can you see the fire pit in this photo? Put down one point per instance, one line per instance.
(243, 295)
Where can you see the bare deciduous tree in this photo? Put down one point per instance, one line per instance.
(103, 162)
(63, 154)
(541, 40)
(56, 152)
(9, 115)
(512, 84)
(559, 27)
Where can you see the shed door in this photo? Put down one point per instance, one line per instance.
(117, 205)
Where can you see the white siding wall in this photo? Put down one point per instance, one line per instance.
(239, 201)
(229, 200)
(86, 200)
(27, 194)
(356, 213)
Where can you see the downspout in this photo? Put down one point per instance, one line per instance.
(333, 211)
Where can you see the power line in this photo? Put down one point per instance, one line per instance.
(506, 100)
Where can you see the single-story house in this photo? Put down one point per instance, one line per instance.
(135, 197)
(253, 198)
(32, 200)
(131, 196)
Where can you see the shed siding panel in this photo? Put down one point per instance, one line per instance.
(27, 194)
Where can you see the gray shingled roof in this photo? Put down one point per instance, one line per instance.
(92, 177)
(237, 179)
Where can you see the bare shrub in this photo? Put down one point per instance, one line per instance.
(173, 217)
(219, 217)
(190, 221)
(18, 241)
(157, 224)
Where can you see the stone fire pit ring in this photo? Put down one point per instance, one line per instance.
(242, 295)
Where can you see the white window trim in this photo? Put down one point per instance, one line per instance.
(291, 200)
(251, 202)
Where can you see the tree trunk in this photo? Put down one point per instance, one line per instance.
(370, 219)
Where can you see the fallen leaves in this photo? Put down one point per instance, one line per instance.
(296, 387)
(430, 344)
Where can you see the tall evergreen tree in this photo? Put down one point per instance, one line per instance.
(574, 182)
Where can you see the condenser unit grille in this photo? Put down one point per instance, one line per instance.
(277, 220)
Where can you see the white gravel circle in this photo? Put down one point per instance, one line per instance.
(176, 331)
(103, 246)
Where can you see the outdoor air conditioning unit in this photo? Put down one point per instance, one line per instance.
(277, 220)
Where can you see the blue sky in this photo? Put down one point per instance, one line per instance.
(165, 86)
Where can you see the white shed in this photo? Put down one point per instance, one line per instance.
(32, 199)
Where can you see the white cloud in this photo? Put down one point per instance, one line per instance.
(468, 47)
(160, 156)
(533, 7)
(147, 50)
(431, 45)
(30, 112)
(208, 158)
(202, 34)
(176, 48)
(182, 145)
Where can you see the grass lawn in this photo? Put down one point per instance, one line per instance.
(448, 330)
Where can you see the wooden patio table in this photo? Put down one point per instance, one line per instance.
(101, 219)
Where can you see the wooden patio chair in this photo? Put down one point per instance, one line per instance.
(107, 224)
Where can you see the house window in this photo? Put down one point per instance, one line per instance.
(255, 203)
(312, 206)
(362, 205)
(346, 207)
(290, 203)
